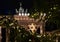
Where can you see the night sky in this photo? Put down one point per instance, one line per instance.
(7, 6)
(11, 5)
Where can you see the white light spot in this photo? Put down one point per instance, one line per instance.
(38, 35)
(41, 14)
(44, 35)
(19, 30)
(32, 16)
(44, 14)
(28, 14)
(30, 40)
(19, 14)
(54, 7)
(22, 14)
(25, 14)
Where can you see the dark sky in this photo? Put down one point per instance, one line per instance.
(11, 5)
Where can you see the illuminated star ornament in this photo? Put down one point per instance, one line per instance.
(32, 28)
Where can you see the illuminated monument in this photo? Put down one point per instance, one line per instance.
(24, 20)
(23, 16)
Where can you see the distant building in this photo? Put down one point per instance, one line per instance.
(23, 17)
(24, 20)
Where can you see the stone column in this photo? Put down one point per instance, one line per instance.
(0, 34)
(42, 27)
(7, 35)
(56, 39)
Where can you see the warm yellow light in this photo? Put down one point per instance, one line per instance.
(32, 27)
(22, 14)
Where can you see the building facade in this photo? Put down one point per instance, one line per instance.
(24, 20)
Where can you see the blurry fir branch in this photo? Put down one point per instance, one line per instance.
(52, 10)
(7, 21)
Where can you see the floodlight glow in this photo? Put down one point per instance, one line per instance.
(28, 14)
(22, 14)
(25, 14)
(41, 14)
(19, 14)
